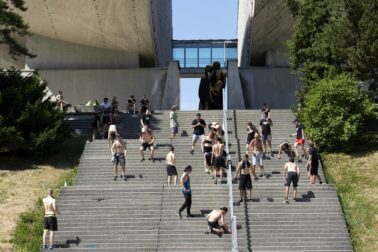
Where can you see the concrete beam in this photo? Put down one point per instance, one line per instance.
(171, 95)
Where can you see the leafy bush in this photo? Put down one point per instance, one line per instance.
(334, 112)
(27, 121)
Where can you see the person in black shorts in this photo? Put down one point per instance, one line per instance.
(265, 128)
(290, 175)
(245, 181)
(50, 221)
(313, 164)
(171, 166)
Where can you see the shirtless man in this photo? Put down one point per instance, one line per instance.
(257, 155)
(290, 174)
(119, 153)
(245, 182)
(215, 222)
(218, 160)
(171, 166)
(147, 139)
(50, 222)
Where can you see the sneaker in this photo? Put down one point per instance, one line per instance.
(215, 182)
(266, 176)
(45, 246)
(261, 175)
(192, 152)
(51, 247)
(142, 160)
(124, 178)
(285, 201)
(115, 178)
(149, 158)
(321, 182)
(189, 216)
(121, 176)
(178, 213)
(207, 171)
(240, 201)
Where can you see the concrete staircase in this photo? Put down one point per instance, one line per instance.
(139, 214)
(99, 214)
(314, 222)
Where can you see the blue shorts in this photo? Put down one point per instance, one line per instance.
(174, 130)
(119, 159)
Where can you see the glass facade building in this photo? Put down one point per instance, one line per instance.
(199, 53)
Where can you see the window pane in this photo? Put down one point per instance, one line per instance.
(218, 55)
(191, 57)
(231, 53)
(204, 57)
(178, 54)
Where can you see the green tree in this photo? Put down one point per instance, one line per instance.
(28, 122)
(12, 27)
(333, 37)
(335, 111)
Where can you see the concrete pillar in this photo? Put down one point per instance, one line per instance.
(171, 93)
(235, 96)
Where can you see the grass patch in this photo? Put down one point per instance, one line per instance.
(29, 229)
(356, 178)
(23, 183)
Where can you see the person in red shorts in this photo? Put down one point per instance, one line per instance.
(299, 139)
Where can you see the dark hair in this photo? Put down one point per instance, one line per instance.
(208, 69)
(188, 168)
(113, 135)
(224, 209)
(171, 148)
(198, 114)
(291, 159)
(250, 124)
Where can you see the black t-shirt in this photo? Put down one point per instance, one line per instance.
(315, 157)
(265, 126)
(298, 129)
(131, 101)
(199, 130)
(144, 102)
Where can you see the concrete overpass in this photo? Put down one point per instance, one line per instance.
(96, 48)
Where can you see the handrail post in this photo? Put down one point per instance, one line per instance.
(229, 178)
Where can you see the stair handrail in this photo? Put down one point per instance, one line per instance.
(229, 177)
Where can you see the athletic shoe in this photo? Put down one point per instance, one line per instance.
(321, 182)
(124, 178)
(121, 176)
(142, 160)
(115, 178)
(189, 216)
(192, 152)
(215, 182)
(178, 213)
(285, 201)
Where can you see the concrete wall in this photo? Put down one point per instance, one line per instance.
(278, 57)
(274, 86)
(161, 12)
(244, 33)
(58, 54)
(80, 86)
(171, 95)
(235, 97)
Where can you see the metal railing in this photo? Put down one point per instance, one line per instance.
(229, 177)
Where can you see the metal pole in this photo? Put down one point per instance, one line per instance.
(229, 179)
